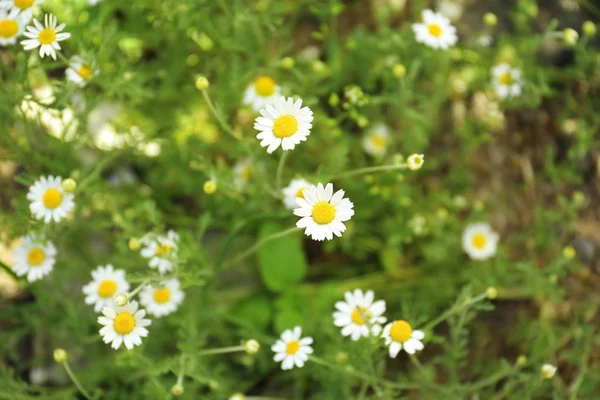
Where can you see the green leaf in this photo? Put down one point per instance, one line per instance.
(281, 261)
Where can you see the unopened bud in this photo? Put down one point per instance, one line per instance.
(134, 244)
(60, 355)
(210, 187)
(202, 83)
(177, 390)
(121, 300)
(69, 185)
(252, 346)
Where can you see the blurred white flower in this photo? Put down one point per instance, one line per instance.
(435, 31)
(292, 349)
(400, 335)
(261, 93)
(479, 241)
(359, 316)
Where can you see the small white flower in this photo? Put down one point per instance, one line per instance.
(359, 315)
(400, 335)
(12, 25)
(123, 325)
(80, 72)
(242, 172)
(435, 31)
(323, 213)
(548, 371)
(106, 282)
(34, 257)
(292, 191)
(162, 300)
(161, 251)
(46, 36)
(479, 241)
(49, 201)
(375, 142)
(284, 123)
(415, 161)
(506, 81)
(93, 2)
(292, 349)
(19, 5)
(261, 93)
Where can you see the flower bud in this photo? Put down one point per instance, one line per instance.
(251, 346)
(399, 71)
(569, 252)
(202, 83)
(177, 390)
(134, 244)
(121, 300)
(69, 185)
(287, 63)
(491, 292)
(60, 355)
(237, 396)
(490, 19)
(415, 162)
(570, 36)
(521, 360)
(210, 187)
(589, 28)
(548, 371)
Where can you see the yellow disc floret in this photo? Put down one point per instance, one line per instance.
(8, 28)
(378, 141)
(323, 213)
(85, 72)
(36, 256)
(24, 4)
(359, 314)
(400, 331)
(479, 241)
(264, 86)
(124, 323)
(163, 249)
(292, 347)
(435, 30)
(285, 126)
(47, 36)
(52, 198)
(300, 193)
(162, 295)
(506, 78)
(107, 288)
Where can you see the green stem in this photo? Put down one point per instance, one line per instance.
(218, 116)
(220, 350)
(181, 371)
(75, 380)
(96, 171)
(368, 170)
(279, 173)
(135, 291)
(454, 310)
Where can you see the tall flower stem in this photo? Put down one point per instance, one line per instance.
(218, 116)
(368, 170)
(454, 310)
(75, 380)
(279, 173)
(135, 291)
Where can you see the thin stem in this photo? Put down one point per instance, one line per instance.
(75, 380)
(181, 371)
(96, 172)
(135, 291)
(454, 310)
(368, 170)
(279, 173)
(218, 116)
(220, 350)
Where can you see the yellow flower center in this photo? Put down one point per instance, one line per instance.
(323, 212)
(162, 295)
(378, 141)
(52, 198)
(124, 323)
(479, 241)
(264, 86)
(506, 78)
(36, 256)
(107, 288)
(163, 249)
(47, 36)
(285, 126)
(435, 30)
(358, 313)
(24, 4)
(85, 72)
(300, 193)
(400, 331)
(8, 28)
(292, 347)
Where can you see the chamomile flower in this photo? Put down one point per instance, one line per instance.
(292, 191)
(323, 213)
(435, 31)
(80, 71)
(123, 325)
(49, 201)
(375, 142)
(161, 251)
(548, 371)
(415, 161)
(285, 123)
(46, 36)
(163, 299)
(34, 257)
(479, 241)
(400, 335)
(106, 282)
(261, 93)
(242, 172)
(292, 349)
(506, 81)
(12, 25)
(359, 315)
(19, 5)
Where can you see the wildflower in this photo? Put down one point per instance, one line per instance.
(359, 315)
(287, 63)
(490, 19)
(202, 83)
(123, 325)
(293, 191)
(284, 123)
(570, 36)
(164, 299)
(261, 93)
(12, 25)
(121, 299)
(569, 252)
(376, 141)
(210, 186)
(106, 282)
(491, 292)
(323, 213)
(291, 349)
(243, 171)
(49, 201)
(80, 72)
(161, 251)
(400, 335)
(479, 241)
(435, 31)
(589, 28)
(506, 81)
(399, 71)
(251, 346)
(69, 185)
(548, 371)
(46, 36)
(60, 355)
(19, 5)
(415, 161)
(35, 257)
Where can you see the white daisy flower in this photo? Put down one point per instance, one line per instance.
(162, 300)
(80, 72)
(12, 25)
(34, 257)
(291, 349)
(415, 161)
(261, 93)
(323, 213)
(123, 325)
(242, 172)
(19, 5)
(49, 201)
(359, 315)
(375, 142)
(46, 36)
(479, 241)
(435, 31)
(284, 123)
(548, 371)
(161, 251)
(292, 191)
(506, 81)
(106, 283)
(400, 335)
